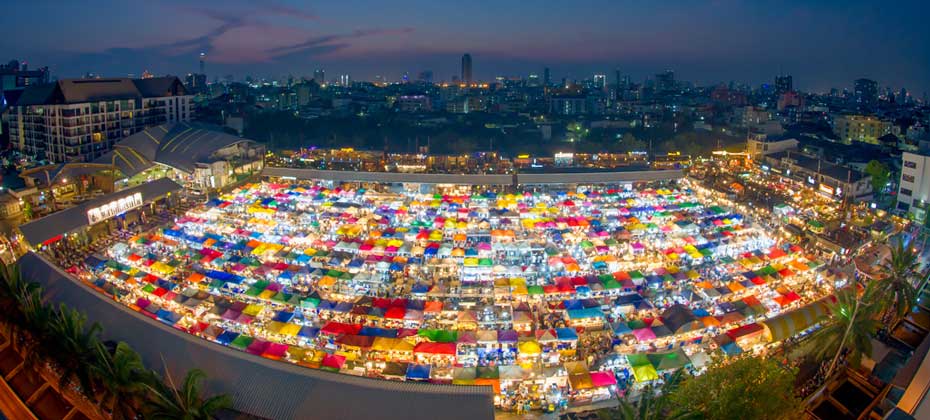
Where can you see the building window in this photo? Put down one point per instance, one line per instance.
(909, 164)
(907, 178)
(907, 192)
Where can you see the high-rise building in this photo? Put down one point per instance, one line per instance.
(81, 119)
(345, 80)
(319, 75)
(194, 82)
(914, 185)
(866, 92)
(546, 77)
(426, 76)
(14, 76)
(466, 69)
(783, 83)
(203, 57)
(600, 81)
(665, 82)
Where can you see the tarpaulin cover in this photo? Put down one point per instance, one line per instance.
(435, 348)
(670, 360)
(566, 334)
(602, 379)
(335, 328)
(418, 372)
(361, 341)
(788, 324)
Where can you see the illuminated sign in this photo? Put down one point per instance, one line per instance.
(114, 208)
(810, 180)
(826, 188)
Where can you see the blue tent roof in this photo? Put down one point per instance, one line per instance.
(284, 316)
(227, 337)
(566, 334)
(585, 313)
(571, 304)
(378, 332)
(418, 372)
(309, 332)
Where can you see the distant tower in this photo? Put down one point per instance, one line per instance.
(466, 69)
(783, 84)
(547, 77)
(203, 56)
(319, 76)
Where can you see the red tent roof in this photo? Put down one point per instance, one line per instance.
(335, 328)
(435, 348)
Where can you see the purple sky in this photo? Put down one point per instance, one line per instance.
(823, 44)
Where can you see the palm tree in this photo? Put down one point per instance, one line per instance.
(166, 401)
(14, 292)
(896, 292)
(37, 320)
(851, 327)
(76, 347)
(121, 376)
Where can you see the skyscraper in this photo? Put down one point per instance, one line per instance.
(665, 81)
(600, 81)
(319, 76)
(546, 77)
(466, 69)
(203, 56)
(865, 92)
(783, 83)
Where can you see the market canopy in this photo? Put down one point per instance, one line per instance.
(643, 370)
(669, 361)
(786, 325)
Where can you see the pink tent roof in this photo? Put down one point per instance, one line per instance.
(644, 334)
(602, 379)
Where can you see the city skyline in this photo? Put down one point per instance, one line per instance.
(744, 42)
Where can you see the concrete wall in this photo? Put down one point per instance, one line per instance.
(261, 387)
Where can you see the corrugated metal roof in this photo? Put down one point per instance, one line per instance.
(179, 145)
(71, 219)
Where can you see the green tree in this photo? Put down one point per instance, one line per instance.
(14, 295)
(742, 388)
(896, 292)
(122, 378)
(653, 404)
(168, 402)
(75, 347)
(880, 175)
(851, 326)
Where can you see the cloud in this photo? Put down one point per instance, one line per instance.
(326, 39)
(275, 7)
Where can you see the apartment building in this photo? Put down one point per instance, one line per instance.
(76, 120)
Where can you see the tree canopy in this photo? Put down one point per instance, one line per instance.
(880, 175)
(743, 388)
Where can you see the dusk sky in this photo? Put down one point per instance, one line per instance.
(822, 44)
